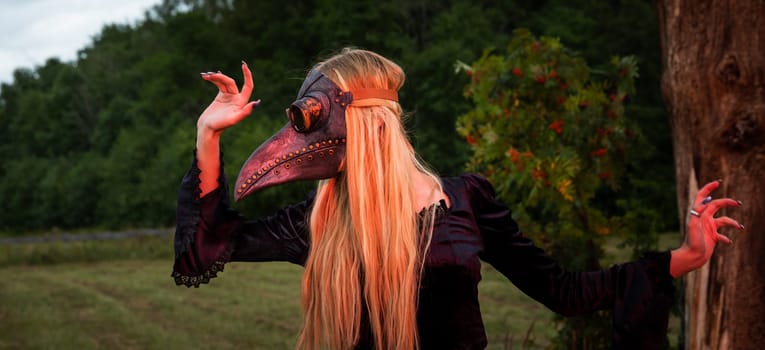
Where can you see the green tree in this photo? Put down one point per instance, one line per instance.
(598, 30)
(550, 133)
(90, 113)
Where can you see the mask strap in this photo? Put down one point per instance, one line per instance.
(372, 94)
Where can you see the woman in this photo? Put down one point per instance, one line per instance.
(392, 251)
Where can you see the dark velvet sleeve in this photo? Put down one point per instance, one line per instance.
(209, 233)
(639, 293)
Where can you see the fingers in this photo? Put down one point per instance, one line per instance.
(209, 77)
(724, 239)
(246, 110)
(248, 85)
(726, 221)
(705, 191)
(716, 204)
(249, 107)
(229, 83)
(224, 83)
(704, 205)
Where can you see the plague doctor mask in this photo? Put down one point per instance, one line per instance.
(312, 144)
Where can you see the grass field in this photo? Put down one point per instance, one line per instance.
(118, 295)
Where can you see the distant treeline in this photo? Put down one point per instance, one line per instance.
(103, 141)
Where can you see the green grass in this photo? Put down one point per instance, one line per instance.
(133, 304)
(118, 294)
(143, 247)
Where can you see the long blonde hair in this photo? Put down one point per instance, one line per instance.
(367, 245)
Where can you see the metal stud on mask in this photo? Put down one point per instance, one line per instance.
(311, 146)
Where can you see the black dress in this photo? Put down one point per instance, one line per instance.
(474, 227)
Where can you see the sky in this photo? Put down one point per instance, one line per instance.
(35, 30)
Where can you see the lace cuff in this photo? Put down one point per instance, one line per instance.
(204, 230)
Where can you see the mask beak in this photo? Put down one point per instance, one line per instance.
(292, 156)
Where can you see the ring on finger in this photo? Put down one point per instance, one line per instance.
(695, 213)
(706, 200)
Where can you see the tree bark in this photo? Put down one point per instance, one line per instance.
(713, 54)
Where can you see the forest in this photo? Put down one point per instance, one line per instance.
(103, 141)
(569, 107)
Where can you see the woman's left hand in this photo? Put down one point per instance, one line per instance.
(702, 235)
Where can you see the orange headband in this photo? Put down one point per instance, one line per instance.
(363, 94)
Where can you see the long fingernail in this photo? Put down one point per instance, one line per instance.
(244, 63)
(741, 226)
(740, 202)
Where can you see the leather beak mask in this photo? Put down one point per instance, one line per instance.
(312, 144)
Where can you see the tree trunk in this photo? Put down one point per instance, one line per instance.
(713, 53)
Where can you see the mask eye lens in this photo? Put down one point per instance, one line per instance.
(304, 113)
(298, 119)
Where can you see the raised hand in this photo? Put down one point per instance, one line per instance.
(230, 105)
(702, 236)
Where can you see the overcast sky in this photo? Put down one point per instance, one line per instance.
(35, 30)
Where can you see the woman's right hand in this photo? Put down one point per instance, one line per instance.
(230, 105)
(228, 108)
